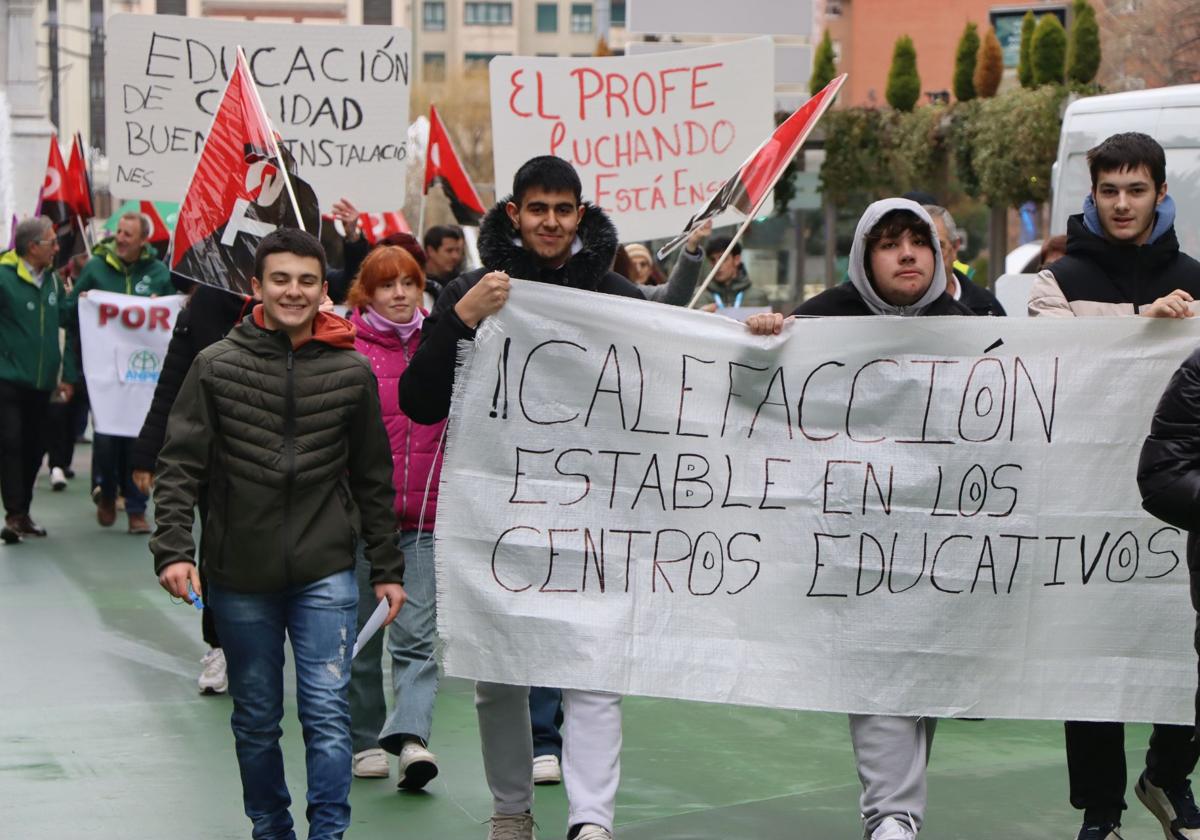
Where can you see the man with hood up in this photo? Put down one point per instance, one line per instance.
(896, 268)
(542, 233)
(1123, 258)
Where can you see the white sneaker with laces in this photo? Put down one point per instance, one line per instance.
(371, 764)
(58, 479)
(893, 829)
(511, 827)
(417, 765)
(588, 831)
(547, 770)
(213, 679)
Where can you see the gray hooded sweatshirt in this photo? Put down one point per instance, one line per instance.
(858, 252)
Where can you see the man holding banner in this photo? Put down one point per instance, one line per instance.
(543, 233)
(896, 268)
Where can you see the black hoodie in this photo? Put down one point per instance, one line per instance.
(428, 381)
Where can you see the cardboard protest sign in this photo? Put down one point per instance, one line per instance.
(125, 340)
(652, 136)
(338, 95)
(925, 516)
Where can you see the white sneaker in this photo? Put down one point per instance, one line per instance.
(893, 829)
(417, 765)
(593, 832)
(547, 770)
(58, 479)
(371, 764)
(213, 679)
(511, 827)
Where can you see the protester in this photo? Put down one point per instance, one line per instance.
(730, 287)
(642, 269)
(444, 246)
(33, 305)
(128, 265)
(545, 721)
(896, 268)
(545, 234)
(1053, 249)
(282, 420)
(387, 316)
(1123, 258)
(209, 314)
(354, 250)
(977, 299)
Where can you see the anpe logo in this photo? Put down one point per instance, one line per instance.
(143, 286)
(143, 367)
(31, 306)
(52, 299)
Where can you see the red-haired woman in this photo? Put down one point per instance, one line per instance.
(385, 303)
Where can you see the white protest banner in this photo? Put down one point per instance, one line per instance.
(914, 516)
(124, 342)
(337, 95)
(652, 136)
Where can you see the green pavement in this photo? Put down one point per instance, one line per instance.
(102, 734)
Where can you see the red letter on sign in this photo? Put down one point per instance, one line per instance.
(159, 318)
(133, 318)
(108, 310)
(517, 88)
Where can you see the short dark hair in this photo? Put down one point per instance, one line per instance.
(436, 235)
(893, 224)
(288, 241)
(718, 244)
(1126, 151)
(547, 172)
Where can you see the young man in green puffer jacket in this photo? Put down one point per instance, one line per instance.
(33, 305)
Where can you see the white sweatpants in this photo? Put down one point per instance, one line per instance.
(591, 750)
(892, 753)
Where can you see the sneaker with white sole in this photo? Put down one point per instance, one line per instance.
(547, 770)
(213, 679)
(58, 479)
(589, 831)
(511, 827)
(371, 764)
(417, 765)
(893, 829)
(1174, 808)
(1099, 831)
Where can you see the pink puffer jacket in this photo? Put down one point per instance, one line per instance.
(414, 446)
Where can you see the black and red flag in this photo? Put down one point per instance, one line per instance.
(81, 183)
(244, 187)
(442, 164)
(60, 203)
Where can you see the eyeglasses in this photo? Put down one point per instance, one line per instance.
(49, 241)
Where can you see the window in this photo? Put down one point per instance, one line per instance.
(547, 17)
(433, 67)
(378, 12)
(617, 13)
(171, 7)
(434, 16)
(478, 60)
(488, 14)
(581, 17)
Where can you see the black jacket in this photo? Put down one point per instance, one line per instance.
(845, 300)
(976, 298)
(205, 320)
(428, 381)
(341, 279)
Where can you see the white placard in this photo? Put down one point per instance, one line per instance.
(337, 95)
(124, 343)
(652, 136)
(915, 516)
(757, 17)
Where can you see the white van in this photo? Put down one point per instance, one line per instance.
(1171, 115)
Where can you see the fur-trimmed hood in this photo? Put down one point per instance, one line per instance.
(591, 258)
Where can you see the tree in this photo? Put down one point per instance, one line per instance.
(824, 68)
(1083, 47)
(1160, 45)
(964, 64)
(1025, 63)
(989, 68)
(903, 83)
(1048, 50)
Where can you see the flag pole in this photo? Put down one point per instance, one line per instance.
(287, 181)
(421, 215)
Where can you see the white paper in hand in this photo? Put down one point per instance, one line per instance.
(371, 627)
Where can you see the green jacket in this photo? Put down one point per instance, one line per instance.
(29, 320)
(292, 448)
(107, 272)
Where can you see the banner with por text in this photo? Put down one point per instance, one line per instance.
(926, 516)
(652, 136)
(124, 341)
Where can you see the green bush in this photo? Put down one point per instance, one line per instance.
(1049, 51)
(964, 64)
(1014, 141)
(914, 150)
(903, 82)
(1083, 47)
(854, 154)
(1025, 62)
(824, 70)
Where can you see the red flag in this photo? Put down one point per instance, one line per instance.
(442, 164)
(379, 226)
(80, 185)
(241, 190)
(56, 201)
(755, 178)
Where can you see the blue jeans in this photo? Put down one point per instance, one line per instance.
(546, 718)
(112, 470)
(319, 619)
(411, 640)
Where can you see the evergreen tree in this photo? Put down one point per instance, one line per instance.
(903, 83)
(1049, 51)
(1083, 47)
(964, 64)
(1025, 62)
(824, 70)
(989, 68)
